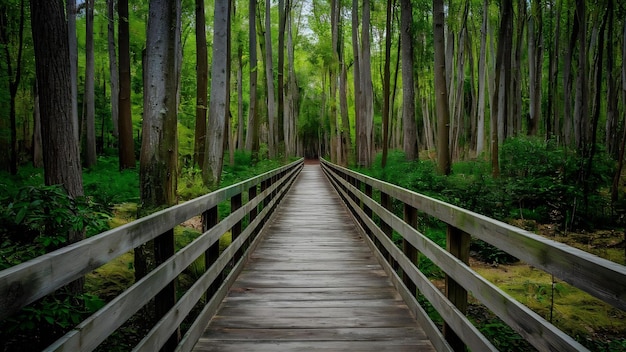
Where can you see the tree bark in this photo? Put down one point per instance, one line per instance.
(441, 93)
(356, 50)
(482, 66)
(218, 108)
(202, 68)
(535, 60)
(126, 147)
(252, 136)
(61, 154)
(89, 98)
(113, 68)
(366, 125)
(269, 77)
(291, 113)
(13, 79)
(386, 85)
(73, 48)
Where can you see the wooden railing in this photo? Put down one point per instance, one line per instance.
(251, 202)
(599, 277)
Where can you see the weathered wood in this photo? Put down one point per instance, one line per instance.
(599, 277)
(313, 284)
(458, 244)
(27, 282)
(530, 325)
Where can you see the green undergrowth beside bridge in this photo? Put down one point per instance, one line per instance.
(538, 190)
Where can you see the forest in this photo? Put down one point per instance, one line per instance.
(513, 109)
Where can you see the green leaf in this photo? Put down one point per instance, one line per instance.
(20, 215)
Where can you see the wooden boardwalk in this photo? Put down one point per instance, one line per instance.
(312, 284)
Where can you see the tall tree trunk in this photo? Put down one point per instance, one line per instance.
(335, 137)
(218, 108)
(113, 68)
(126, 147)
(622, 149)
(52, 61)
(386, 85)
(366, 125)
(73, 48)
(346, 144)
(269, 77)
(252, 137)
(281, 72)
(553, 125)
(441, 93)
(89, 98)
(482, 66)
(581, 106)
(535, 60)
(514, 123)
(241, 143)
(202, 69)
(13, 78)
(37, 148)
(291, 113)
(611, 127)
(503, 64)
(356, 50)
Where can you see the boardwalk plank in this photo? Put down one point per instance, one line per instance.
(312, 284)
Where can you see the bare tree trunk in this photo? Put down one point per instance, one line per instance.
(482, 65)
(620, 158)
(441, 93)
(356, 50)
(535, 60)
(89, 98)
(269, 77)
(366, 125)
(240, 119)
(553, 125)
(346, 144)
(280, 113)
(202, 70)
(37, 143)
(218, 107)
(252, 137)
(61, 154)
(386, 86)
(612, 112)
(581, 107)
(73, 48)
(126, 146)
(291, 113)
(113, 68)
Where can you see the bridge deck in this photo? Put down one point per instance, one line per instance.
(312, 284)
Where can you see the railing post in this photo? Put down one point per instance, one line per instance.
(252, 192)
(458, 244)
(386, 202)
(166, 298)
(210, 218)
(235, 231)
(410, 217)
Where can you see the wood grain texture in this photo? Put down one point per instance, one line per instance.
(313, 284)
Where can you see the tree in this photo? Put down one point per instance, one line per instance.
(441, 92)
(202, 68)
(113, 68)
(386, 85)
(89, 97)
(218, 107)
(269, 80)
(73, 47)
(366, 115)
(408, 89)
(535, 59)
(13, 77)
(252, 139)
(126, 148)
(61, 154)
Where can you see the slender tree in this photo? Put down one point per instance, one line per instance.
(252, 136)
(73, 48)
(126, 147)
(441, 93)
(61, 154)
(89, 98)
(202, 69)
(218, 107)
(269, 80)
(113, 67)
(13, 76)
(366, 116)
(386, 85)
(408, 86)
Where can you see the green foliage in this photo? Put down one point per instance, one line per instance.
(36, 220)
(106, 186)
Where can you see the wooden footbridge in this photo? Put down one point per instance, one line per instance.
(312, 267)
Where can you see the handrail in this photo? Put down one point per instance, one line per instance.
(27, 282)
(599, 277)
